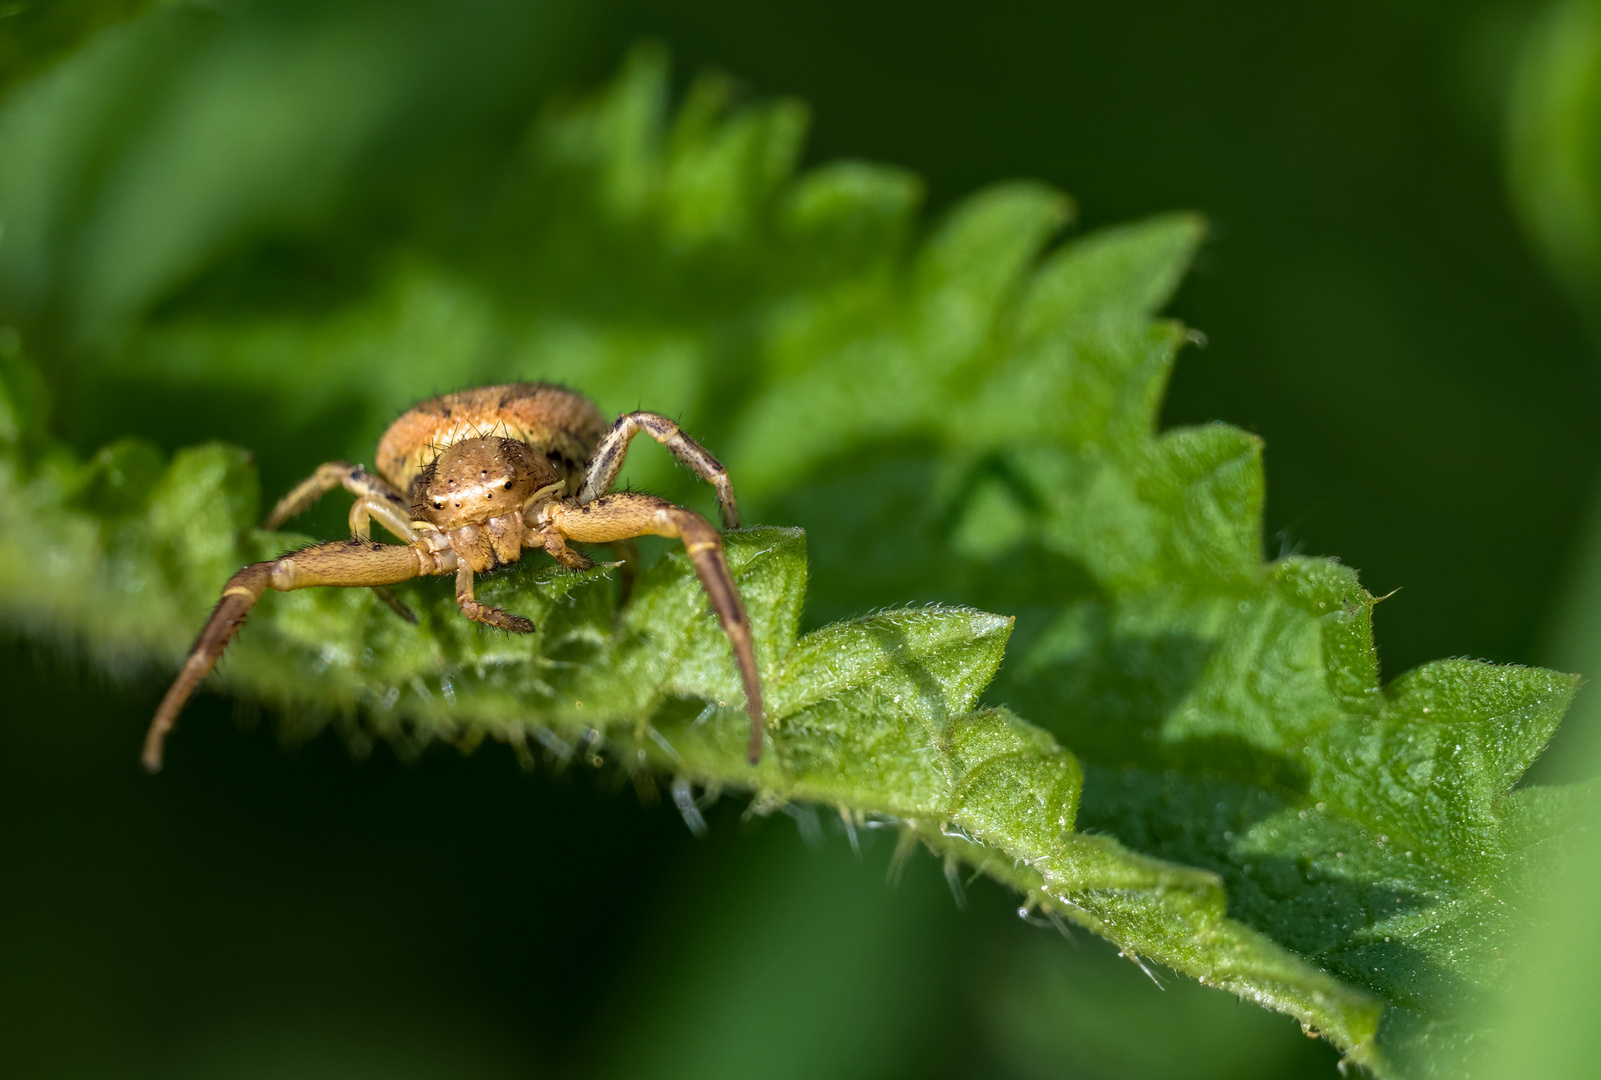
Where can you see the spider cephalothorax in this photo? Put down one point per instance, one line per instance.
(468, 481)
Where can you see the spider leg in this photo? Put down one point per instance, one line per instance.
(394, 603)
(555, 546)
(365, 508)
(374, 499)
(626, 515)
(477, 612)
(607, 460)
(342, 562)
(362, 511)
(354, 479)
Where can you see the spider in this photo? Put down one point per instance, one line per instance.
(485, 473)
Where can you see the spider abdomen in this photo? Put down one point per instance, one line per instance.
(556, 424)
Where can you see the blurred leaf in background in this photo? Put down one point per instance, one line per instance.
(1554, 145)
(1553, 164)
(35, 34)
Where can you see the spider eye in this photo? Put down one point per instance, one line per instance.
(508, 485)
(439, 506)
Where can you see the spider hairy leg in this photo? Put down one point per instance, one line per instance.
(364, 509)
(374, 499)
(354, 479)
(624, 516)
(394, 603)
(556, 547)
(492, 616)
(342, 562)
(607, 460)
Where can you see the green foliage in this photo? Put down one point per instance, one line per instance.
(33, 35)
(1553, 158)
(1553, 146)
(968, 418)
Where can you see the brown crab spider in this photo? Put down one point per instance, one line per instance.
(485, 473)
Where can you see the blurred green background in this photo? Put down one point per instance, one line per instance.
(1377, 307)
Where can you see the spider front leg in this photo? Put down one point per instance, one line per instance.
(607, 461)
(491, 616)
(342, 562)
(626, 515)
(385, 503)
(374, 499)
